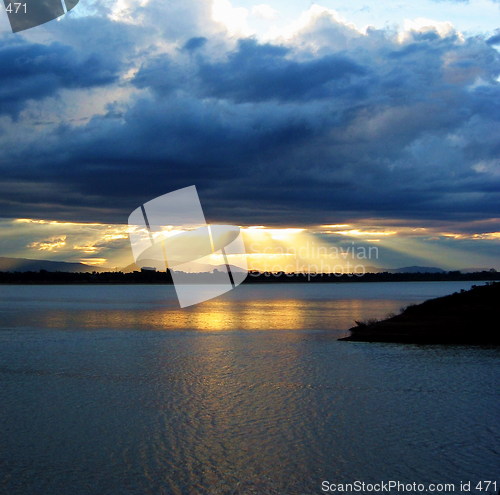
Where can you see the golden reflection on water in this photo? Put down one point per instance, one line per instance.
(238, 405)
(249, 315)
(220, 315)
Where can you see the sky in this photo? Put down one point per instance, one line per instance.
(327, 125)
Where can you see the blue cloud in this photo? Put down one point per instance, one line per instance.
(33, 71)
(194, 43)
(495, 39)
(256, 72)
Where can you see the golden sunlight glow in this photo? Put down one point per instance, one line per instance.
(88, 249)
(297, 250)
(335, 226)
(487, 235)
(69, 240)
(51, 244)
(328, 248)
(93, 261)
(276, 234)
(53, 222)
(364, 233)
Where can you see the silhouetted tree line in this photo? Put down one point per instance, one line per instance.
(154, 277)
(257, 277)
(45, 277)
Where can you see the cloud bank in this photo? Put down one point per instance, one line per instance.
(322, 126)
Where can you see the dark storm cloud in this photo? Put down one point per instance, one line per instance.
(279, 134)
(255, 73)
(194, 43)
(495, 39)
(33, 71)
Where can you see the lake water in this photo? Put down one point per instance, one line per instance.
(112, 390)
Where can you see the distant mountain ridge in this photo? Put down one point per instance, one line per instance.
(416, 269)
(29, 265)
(405, 269)
(423, 269)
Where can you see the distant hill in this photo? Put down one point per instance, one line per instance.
(465, 317)
(405, 269)
(27, 265)
(476, 270)
(416, 269)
